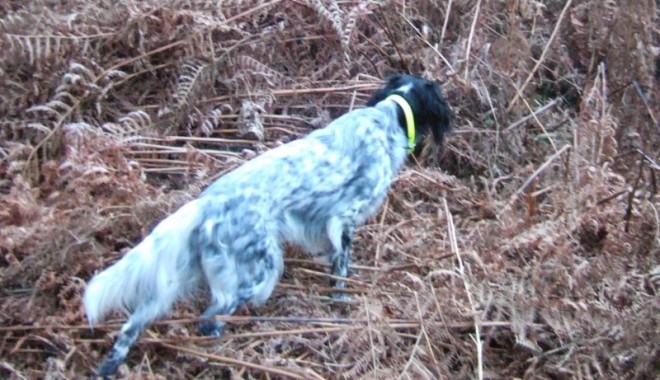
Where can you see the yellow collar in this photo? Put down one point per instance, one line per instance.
(410, 120)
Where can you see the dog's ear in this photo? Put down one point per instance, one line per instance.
(380, 94)
(391, 83)
(434, 87)
(440, 111)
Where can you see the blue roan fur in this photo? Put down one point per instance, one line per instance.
(312, 192)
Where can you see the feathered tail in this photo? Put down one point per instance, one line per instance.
(146, 282)
(154, 274)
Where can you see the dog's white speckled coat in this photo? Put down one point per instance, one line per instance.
(312, 192)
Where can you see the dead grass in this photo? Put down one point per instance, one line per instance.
(527, 248)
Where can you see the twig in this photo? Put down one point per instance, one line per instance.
(325, 289)
(654, 165)
(368, 58)
(371, 338)
(631, 196)
(537, 112)
(388, 32)
(444, 24)
(542, 57)
(180, 150)
(410, 173)
(139, 57)
(423, 331)
(199, 139)
(251, 11)
(534, 175)
(646, 103)
(394, 323)
(352, 266)
(298, 91)
(536, 119)
(469, 44)
(463, 326)
(10, 368)
(226, 360)
(381, 236)
(328, 275)
(168, 170)
(263, 334)
(497, 124)
(473, 308)
(615, 195)
(404, 371)
(430, 45)
(352, 103)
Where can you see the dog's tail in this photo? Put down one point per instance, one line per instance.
(147, 280)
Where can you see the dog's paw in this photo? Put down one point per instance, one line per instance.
(209, 328)
(341, 296)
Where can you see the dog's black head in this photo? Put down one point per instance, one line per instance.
(429, 108)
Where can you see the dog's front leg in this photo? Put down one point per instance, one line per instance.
(341, 236)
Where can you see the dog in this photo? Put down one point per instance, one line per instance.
(312, 192)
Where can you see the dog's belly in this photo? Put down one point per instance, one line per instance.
(305, 231)
(305, 223)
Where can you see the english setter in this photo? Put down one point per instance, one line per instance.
(312, 192)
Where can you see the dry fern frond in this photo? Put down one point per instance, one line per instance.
(246, 63)
(37, 49)
(189, 77)
(596, 137)
(76, 135)
(332, 15)
(70, 297)
(250, 121)
(76, 85)
(48, 280)
(213, 121)
(134, 123)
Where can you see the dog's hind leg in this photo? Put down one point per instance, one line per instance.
(128, 334)
(267, 272)
(207, 324)
(341, 237)
(222, 279)
(236, 279)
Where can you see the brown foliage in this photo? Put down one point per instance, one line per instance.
(535, 228)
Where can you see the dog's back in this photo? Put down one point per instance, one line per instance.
(341, 170)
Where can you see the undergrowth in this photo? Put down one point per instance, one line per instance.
(526, 248)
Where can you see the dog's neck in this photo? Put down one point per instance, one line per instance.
(395, 126)
(406, 119)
